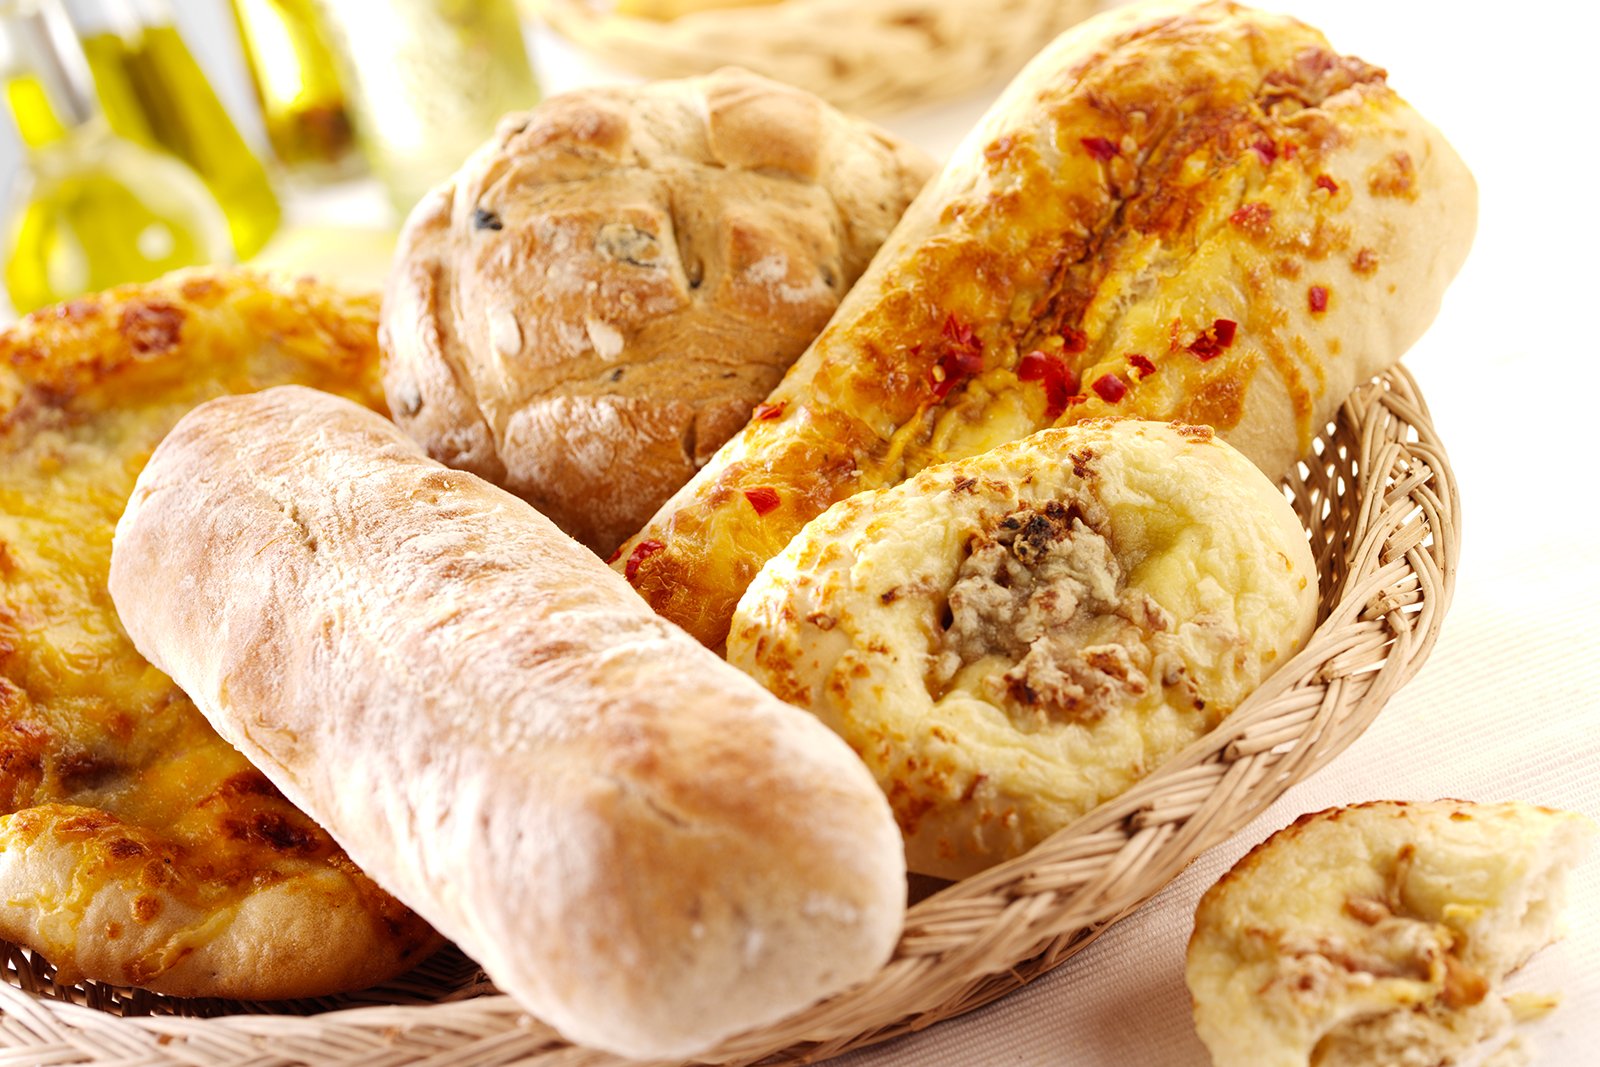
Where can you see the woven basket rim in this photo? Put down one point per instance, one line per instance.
(1379, 477)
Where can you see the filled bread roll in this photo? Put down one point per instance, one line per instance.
(635, 840)
(1379, 933)
(603, 293)
(1193, 213)
(1011, 639)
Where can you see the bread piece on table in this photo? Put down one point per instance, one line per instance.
(634, 839)
(603, 293)
(1010, 640)
(136, 846)
(1202, 214)
(1378, 933)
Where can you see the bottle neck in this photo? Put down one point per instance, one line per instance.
(43, 74)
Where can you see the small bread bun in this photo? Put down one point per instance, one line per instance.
(606, 290)
(1012, 639)
(1377, 934)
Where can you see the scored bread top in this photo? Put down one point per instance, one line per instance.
(1203, 214)
(601, 295)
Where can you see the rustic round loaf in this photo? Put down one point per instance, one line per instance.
(1011, 639)
(607, 289)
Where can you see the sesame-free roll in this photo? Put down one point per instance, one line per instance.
(634, 839)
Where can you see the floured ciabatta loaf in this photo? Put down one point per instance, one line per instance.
(1011, 639)
(1202, 214)
(1379, 933)
(636, 841)
(604, 292)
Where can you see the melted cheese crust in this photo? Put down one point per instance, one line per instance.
(132, 838)
(1154, 576)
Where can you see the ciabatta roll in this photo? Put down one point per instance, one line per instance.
(633, 838)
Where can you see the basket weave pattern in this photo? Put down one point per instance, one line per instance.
(1378, 501)
(861, 55)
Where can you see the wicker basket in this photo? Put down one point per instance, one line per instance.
(862, 55)
(1379, 504)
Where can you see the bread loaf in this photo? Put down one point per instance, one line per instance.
(1203, 214)
(634, 839)
(1378, 933)
(599, 298)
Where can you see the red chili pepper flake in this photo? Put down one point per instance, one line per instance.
(1318, 297)
(1141, 364)
(1251, 216)
(1111, 388)
(766, 411)
(961, 359)
(641, 552)
(1058, 379)
(1266, 150)
(1098, 147)
(1210, 344)
(762, 499)
(959, 332)
(1325, 182)
(1073, 340)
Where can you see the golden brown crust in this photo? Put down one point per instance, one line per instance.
(597, 300)
(1200, 214)
(635, 839)
(136, 846)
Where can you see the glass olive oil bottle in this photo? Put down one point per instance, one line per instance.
(154, 92)
(89, 209)
(297, 83)
(428, 81)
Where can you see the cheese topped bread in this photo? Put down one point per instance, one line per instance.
(1195, 213)
(136, 846)
(1378, 933)
(1011, 639)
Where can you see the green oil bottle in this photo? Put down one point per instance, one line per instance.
(89, 209)
(153, 92)
(303, 103)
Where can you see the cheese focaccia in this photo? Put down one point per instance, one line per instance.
(1011, 639)
(1202, 214)
(136, 846)
(1378, 933)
